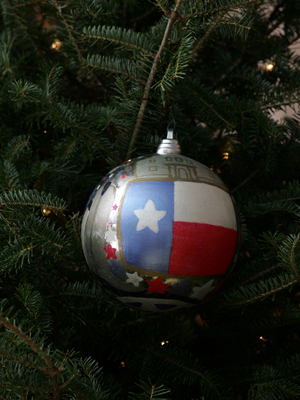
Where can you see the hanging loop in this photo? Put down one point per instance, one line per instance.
(169, 145)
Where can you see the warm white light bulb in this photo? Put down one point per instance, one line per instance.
(56, 45)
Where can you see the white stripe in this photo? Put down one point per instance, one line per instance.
(203, 203)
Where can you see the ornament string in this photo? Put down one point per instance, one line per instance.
(173, 17)
(171, 126)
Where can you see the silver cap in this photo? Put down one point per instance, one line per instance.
(169, 145)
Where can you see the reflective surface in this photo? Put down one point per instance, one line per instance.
(160, 232)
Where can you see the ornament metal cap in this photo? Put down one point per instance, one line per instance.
(169, 145)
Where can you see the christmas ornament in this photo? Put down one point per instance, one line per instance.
(160, 231)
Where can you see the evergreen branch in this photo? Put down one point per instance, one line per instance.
(225, 8)
(282, 200)
(276, 206)
(30, 3)
(30, 389)
(171, 21)
(15, 147)
(71, 36)
(10, 179)
(165, 77)
(279, 104)
(287, 254)
(212, 109)
(59, 9)
(40, 229)
(183, 57)
(292, 258)
(261, 106)
(58, 109)
(32, 198)
(177, 67)
(208, 32)
(56, 293)
(153, 392)
(21, 23)
(50, 370)
(237, 25)
(14, 254)
(75, 223)
(20, 361)
(206, 379)
(81, 289)
(256, 276)
(163, 9)
(93, 11)
(113, 64)
(116, 35)
(263, 295)
(270, 382)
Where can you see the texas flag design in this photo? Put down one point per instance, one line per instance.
(178, 227)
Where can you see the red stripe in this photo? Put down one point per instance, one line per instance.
(201, 249)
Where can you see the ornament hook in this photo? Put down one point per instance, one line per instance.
(170, 133)
(171, 126)
(169, 145)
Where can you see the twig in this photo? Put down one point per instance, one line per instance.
(262, 295)
(71, 36)
(292, 258)
(253, 278)
(173, 17)
(51, 370)
(213, 26)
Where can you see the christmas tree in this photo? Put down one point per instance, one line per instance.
(88, 84)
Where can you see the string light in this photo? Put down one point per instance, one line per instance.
(123, 364)
(225, 156)
(164, 342)
(56, 45)
(46, 211)
(270, 66)
(262, 338)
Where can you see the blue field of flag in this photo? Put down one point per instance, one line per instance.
(147, 224)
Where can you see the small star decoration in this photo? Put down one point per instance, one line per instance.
(111, 252)
(134, 278)
(157, 286)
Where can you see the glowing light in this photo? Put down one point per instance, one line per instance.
(270, 66)
(164, 342)
(123, 364)
(56, 45)
(46, 211)
(225, 156)
(262, 338)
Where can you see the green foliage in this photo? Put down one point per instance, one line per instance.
(150, 391)
(122, 38)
